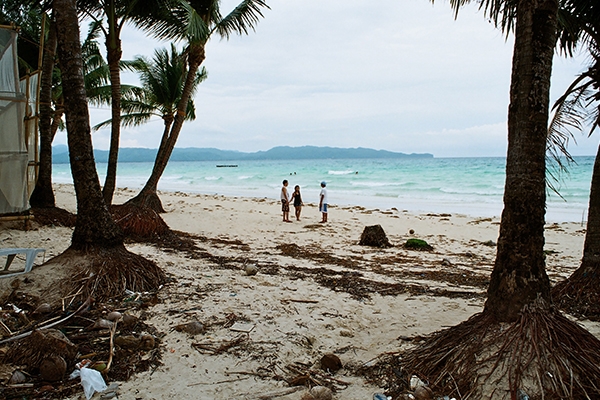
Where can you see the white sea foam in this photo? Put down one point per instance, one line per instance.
(469, 186)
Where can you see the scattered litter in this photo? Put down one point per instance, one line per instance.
(242, 327)
(91, 380)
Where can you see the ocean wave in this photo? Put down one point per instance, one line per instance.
(345, 172)
(212, 178)
(245, 177)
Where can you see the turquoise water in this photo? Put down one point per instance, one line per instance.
(472, 186)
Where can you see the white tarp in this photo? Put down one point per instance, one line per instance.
(14, 155)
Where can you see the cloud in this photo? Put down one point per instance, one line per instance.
(396, 75)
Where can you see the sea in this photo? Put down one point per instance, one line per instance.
(469, 186)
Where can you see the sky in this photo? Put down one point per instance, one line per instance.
(403, 76)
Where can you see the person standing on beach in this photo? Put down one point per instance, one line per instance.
(285, 202)
(297, 198)
(323, 201)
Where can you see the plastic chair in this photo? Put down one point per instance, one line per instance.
(30, 255)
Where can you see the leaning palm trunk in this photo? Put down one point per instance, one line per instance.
(148, 196)
(519, 346)
(43, 195)
(580, 293)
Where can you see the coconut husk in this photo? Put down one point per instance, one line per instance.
(41, 345)
(374, 236)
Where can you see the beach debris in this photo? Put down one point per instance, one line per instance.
(379, 396)
(111, 391)
(446, 262)
(101, 323)
(192, 328)
(374, 236)
(218, 348)
(417, 244)
(17, 377)
(346, 333)
(411, 231)
(43, 308)
(489, 243)
(318, 393)
(128, 320)
(91, 380)
(242, 327)
(147, 342)
(53, 368)
(114, 316)
(127, 341)
(251, 269)
(415, 382)
(423, 393)
(331, 362)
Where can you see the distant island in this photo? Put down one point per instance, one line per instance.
(60, 154)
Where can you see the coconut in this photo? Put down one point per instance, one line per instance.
(17, 377)
(114, 316)
(331, 363)
(146, 342)
(423, 393)
(318, 393)
(53, 368)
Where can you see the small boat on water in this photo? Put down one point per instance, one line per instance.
(226, 165)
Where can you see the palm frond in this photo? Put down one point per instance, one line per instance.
(570, 113)
(242, 18)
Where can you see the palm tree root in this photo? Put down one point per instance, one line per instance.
(542, 355)
(147, 199)
(53, 216)
(579, 295)
(139, 223)
(105, 273)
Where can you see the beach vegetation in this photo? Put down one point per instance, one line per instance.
(578, 106)
(417, 244)
(520, 344)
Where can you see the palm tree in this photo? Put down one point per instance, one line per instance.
(195, 22)
(580, 293)
(105, 266)
(115, 13)
(519, 335)
(162, 80)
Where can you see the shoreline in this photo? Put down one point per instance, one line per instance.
(317, 291)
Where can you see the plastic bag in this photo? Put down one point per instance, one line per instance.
(92, 382)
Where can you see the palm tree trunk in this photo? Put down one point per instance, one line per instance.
(148, 195)
(43, 195)
(114, 54)
(95, 226)
(590, 263)
(519, 275)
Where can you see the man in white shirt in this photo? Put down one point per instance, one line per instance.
(323, 201)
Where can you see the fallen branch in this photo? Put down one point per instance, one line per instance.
(60, 321)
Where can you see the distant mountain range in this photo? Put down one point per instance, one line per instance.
(60, 154)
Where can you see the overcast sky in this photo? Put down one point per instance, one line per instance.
(399, 75)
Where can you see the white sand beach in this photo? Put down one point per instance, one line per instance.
(317, 291)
